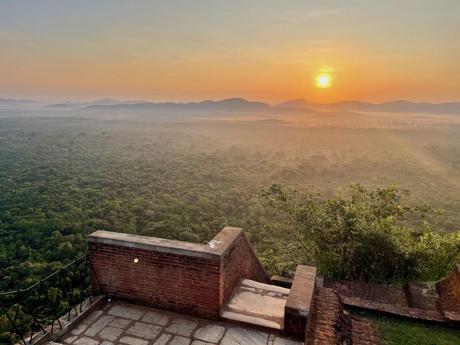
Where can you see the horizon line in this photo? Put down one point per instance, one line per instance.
(271, 103)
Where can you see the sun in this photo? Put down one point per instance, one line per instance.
(323, 81)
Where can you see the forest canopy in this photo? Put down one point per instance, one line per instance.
(64, 177)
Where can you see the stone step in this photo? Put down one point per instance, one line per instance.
(257, 304)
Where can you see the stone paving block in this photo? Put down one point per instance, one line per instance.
(133, 341)
(163, 339)
(210, 333)
(85, 341)
(79, 329)
(126, 311)
(155, 317)
(181, 326)
(92, 317)
(68, 340)
(144, 330)
(199, 342)
(284, 341)
(98, 325)
(238, 336)
(120, 323)
(110, 333)
(178, 340)
(106, 343)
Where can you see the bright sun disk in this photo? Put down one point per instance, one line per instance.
(323, 81)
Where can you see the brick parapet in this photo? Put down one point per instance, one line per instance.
(181, 276)
(299, 304)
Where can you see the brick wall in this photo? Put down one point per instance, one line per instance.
(239, 261)
(167, 280)
(449, 291)
(180, 276)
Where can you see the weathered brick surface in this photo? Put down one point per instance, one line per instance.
(421, 296)
(330, 325)
(364, 332)
(240, 262)
(166, 280)
(383, 294)
(413, 302)
(449, 292)
(195, 279)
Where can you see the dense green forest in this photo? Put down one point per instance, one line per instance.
(62, 177)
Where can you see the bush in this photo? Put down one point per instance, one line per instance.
(373, 236)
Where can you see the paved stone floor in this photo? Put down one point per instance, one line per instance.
(127, 324)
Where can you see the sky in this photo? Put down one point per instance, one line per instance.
(373, 50)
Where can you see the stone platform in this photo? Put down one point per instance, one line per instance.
(128, 324)
(258, 304)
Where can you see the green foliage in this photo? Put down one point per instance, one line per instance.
(401, 332)
(366, 235)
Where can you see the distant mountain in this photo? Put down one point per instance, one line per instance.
(226, 105)
(233, 105)
(400, 106)
(66, 105)
(73, 105)
(6, 103)
(12, 101)
(296, 103)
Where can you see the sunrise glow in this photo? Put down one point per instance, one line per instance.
(323, 81)
(213, 50)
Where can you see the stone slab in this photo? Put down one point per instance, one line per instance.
(120, 323)
(85, 341)
(210, 333)
(156, 318)
(199, 342)
(126, 311)
(98, 325)
(152, 244)
(163, 339)
(257, 303)
(267, 287)
(144, 330)
(253, 320)
(133, 341)
(179, 340)
(238, 336)
(182, 327)
(69, 340)
(110, 333)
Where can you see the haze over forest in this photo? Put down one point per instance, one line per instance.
(184, 171)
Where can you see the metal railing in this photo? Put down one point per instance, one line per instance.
(43, 306)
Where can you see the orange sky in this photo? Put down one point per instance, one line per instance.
(268, 50)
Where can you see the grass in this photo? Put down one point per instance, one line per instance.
(400, 332)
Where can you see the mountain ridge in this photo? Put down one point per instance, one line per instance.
(396, 106)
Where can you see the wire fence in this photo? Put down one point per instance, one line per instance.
(42, 307)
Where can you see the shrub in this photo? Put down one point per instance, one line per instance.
(366, 235)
